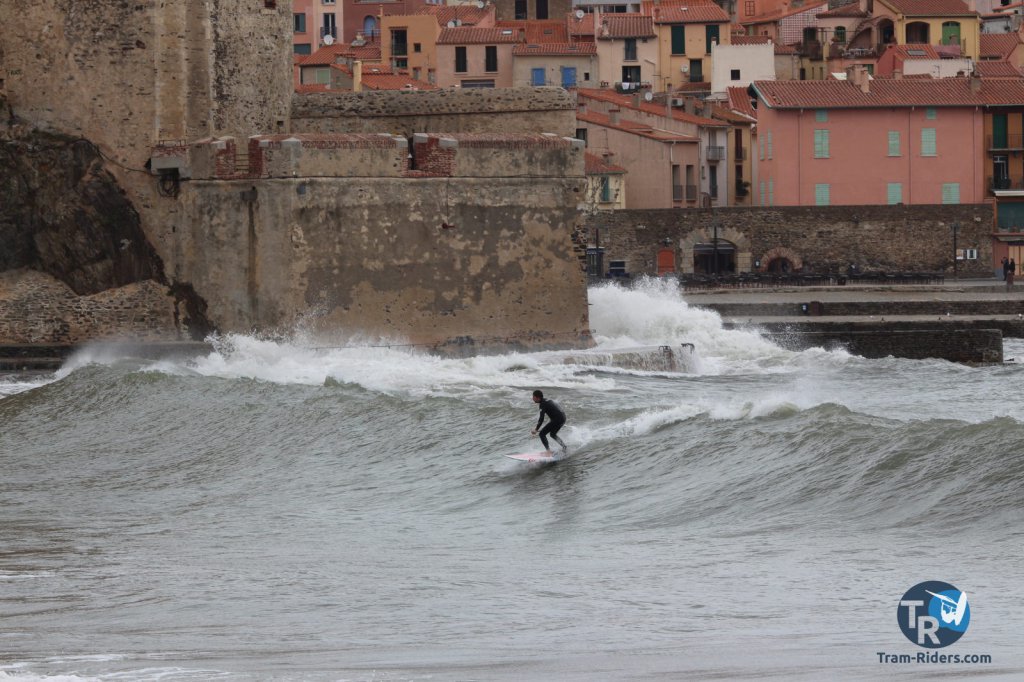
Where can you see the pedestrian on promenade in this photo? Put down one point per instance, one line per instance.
(1006, 267)
(1011, 270)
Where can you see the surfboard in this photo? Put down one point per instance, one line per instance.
(538, 457)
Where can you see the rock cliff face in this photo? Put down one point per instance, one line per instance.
(63, 214)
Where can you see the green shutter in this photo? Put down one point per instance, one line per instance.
(931, 114)
(928, 142)
(762, 192)
(894, 143)
(769, 145)
(771, 192)
(760, 146)
(821, 115)
(822, 194)
(951, 193)
(894, 193)
(821, 144)
(679, 39)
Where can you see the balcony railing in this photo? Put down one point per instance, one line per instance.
(742, 188)
(399, 49)
(691, 192)
(1009, 141)
(716, 153)
(677, 192)
(739, 153)
(999, 184)
(696, 78)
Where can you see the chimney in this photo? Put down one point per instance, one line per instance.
(863, 79)
(637, 99)
(690, 106)
(357, 76)
(613, 116)
(975, 84)
(522, 35)
(897, 74)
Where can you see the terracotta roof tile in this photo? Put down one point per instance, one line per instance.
(469, 15)
(751, 40)
(580, 27)
(554, 49)
(634, 128)
(625, 26)
(930, 8)
(775, 15)
(627, 102)
(836, 94)
(998, 45)
(845, 11)
(538, 31)
(739, 100)
(468, 35)
(383, 78)
(331, 54)
(689, 13)
(997, 69)
(307, 88)
(595, 164)
(912, 51)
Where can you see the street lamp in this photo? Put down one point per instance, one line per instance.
(956, 269)
(714, 244)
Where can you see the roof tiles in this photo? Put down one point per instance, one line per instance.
(625, 26)
(943, 92)
(931, 8)
(554, 49)
(468, 35)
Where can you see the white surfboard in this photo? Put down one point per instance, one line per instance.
(538, 457)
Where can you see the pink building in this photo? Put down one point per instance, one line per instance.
(861, 141)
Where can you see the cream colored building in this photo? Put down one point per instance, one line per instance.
(627, 50)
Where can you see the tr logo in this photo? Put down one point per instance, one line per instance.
(933, 614)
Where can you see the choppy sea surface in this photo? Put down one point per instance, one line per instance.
(284, 511)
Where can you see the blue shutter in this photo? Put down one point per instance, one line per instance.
(820, 144)
(894, 143)
(538, 77)
(951, 193)
(894, 193)
(928, 143)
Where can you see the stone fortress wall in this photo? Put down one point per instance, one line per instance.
(263, 208)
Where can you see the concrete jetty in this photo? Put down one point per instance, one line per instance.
(962, 321)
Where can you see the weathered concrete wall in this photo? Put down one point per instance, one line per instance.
(818, 239)
(477, 259)
(483, 110)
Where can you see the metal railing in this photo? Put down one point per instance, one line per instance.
(995, 184)
(691, 192)
(677, 192)
(715, 153)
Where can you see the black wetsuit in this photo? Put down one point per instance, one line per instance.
(556, 420)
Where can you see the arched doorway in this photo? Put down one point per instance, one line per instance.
(710, 258)
(666, 261)
(780, 266)
(370, 30)
(918, 33)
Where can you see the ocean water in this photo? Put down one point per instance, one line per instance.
(284, 511)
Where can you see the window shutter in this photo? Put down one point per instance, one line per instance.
(894, 143)
(894, 193)
(821, 194)
(928, 146)
(951, 193)
(821, 144)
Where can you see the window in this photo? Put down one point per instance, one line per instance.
(399, 42)
(748, 8)
(521, 10)
(491, 58)
(617, 268)
(479, 83)
(461, 63)
(894, 143)
(302, 48)
(323, 75)
(821, 115)
(734, 74)
(581, 134)
(679, 39)
(330, 27)
(768, 151)
(630, 46)
(299, 22)
(538, 77)
(328, 2)
(822, 194)
(710, 37)
(821, 144)
(951, 193)
(841, 35)
(894, 193)
(542, 9)
(931, 114)
(928, 147)
(270, 4)
(630, 74)
(417, 47)
(606, 188)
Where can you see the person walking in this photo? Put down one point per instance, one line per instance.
(1011, 270)
(556, 420)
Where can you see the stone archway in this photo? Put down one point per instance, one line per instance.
(706, 235)
(781, 253)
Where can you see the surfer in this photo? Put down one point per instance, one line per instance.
(556, 420)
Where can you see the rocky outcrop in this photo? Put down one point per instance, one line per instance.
(63, 214)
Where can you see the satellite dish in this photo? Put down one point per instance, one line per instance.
(328, 39)
(684, 69)
(451, 24)
(480, 4)
(579, 14)
(648, 96)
